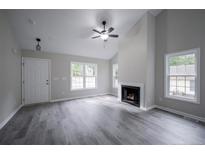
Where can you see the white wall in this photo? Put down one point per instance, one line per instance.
(178, 30)
(10, 70)
(60, 68)
(113, 60)
(136, 57)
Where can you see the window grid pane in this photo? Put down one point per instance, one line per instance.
(182, 86)
(90, 82)
(83, 75)
(77, 82)
(182, 75)
(115, 75)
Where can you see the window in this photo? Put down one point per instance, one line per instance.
(90, 75)
(83, 76)
(115, 75)
(182, 75)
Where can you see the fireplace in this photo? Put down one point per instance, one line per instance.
(130, 94)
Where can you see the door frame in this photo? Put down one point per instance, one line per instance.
(22, 78)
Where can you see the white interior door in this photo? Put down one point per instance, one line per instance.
(36, 80)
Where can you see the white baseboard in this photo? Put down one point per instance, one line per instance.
(72, 98)
(113, 94)
(149, 108)
(181, 113)
(3, 123)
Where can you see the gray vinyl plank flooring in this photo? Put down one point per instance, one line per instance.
(98, 120)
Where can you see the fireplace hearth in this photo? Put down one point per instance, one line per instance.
(131, 95)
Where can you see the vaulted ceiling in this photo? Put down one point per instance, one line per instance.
(70, 31)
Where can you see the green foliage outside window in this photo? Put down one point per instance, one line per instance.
(77, 69)
(182, 60)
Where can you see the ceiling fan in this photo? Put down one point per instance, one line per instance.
(105, 33)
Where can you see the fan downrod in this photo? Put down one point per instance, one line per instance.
(104, 22)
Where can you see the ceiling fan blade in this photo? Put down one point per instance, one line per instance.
(110, 29)
(113, 35)
(96, 31)
(95, 37)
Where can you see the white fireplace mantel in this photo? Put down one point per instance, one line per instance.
(135, 84)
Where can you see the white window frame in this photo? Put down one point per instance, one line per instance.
(195, 51)
(84, 76)
(113, 83)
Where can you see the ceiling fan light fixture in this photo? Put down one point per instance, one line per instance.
(38, 47)
(105, 33)
(104, 36)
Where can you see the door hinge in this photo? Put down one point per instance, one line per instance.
(23, 64)
(23, 99)
(23, 82)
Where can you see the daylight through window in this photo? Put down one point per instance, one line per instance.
(115, 75)
(181, 75)
(83, 76)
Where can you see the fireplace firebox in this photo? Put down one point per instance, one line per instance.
(131, 94)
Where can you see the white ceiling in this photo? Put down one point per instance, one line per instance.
(70, 31)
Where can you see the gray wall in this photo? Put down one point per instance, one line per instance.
(10, 71)
(60, 68)
(136, 56)
(150, 70)
(133, 55)
(114, 60)
(178, 30)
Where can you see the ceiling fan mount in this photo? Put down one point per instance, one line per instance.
(38, 39)
(105, 33)
(38, 47)
(104, 22)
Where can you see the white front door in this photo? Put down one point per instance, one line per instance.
(36, 80)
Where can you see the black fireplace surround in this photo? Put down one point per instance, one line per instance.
(131, 94)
